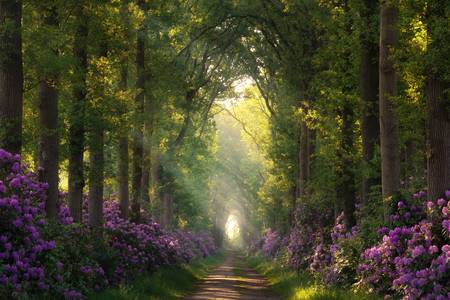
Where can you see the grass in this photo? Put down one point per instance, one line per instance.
(166, 283)
(293, 286)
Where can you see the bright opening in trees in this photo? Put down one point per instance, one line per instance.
(232, 230)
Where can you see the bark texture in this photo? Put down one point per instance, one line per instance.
(11, 75)
(438, 102)
(123, 177)
(389, 135)
(438, 138)
(49, 143)
(49, 139)
(346, 181)
(138, 149)
(368, 80)
(96, 176)
(123, 167)
(77, 118)
(167, 214)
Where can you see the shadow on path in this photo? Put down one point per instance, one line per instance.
(233, 280)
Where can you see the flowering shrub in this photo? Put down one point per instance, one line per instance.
(301, 247)
(22, 248)
(345, 252)
(412, 261)
(272, 243)
(66, 260)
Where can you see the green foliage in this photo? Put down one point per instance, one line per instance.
(299, 286)
(166, 283)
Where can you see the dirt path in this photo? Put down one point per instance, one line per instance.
(233, 280)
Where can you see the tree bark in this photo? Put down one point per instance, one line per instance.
(167, 214)
(303, 160)
(138, 149)
(148, 130)
(11, 75)
(49, 143)
(49, 139)
(96, 176)
(346, 182)
(368, 80)
(438, 153)
(123, 176)
(123, 168)
(147, 152)
(390, 153)
(438, 101)
(77, 119)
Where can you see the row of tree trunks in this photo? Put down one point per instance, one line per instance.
(11, 75)
(77, 117)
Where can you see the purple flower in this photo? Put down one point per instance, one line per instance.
(441, 202)
(15, 183)
(447, 194)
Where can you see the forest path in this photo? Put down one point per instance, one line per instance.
(233, 280)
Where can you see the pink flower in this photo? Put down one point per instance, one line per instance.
(433, 249)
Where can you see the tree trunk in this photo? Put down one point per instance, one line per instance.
(303, 160)
(123, 168)
(390, 154)
(167, 214)
(438, 94)
(123, 176)
(49, 140)
(77, 119)
(368, 80)
(96, 176)
(136, 184)
(346, 182)
(11, 75)
(438, 138)
(48, 152)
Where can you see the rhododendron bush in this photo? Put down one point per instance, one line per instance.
(411, 259)
(66, 260)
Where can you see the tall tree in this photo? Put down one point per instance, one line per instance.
(48, 113)
(136, 183)
(11, 75)
(368, 81)
(123, 132)
(96, 146)
(389, 133)
(77, 116)
(438, 99)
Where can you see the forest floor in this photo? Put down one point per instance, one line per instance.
(233, 279)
